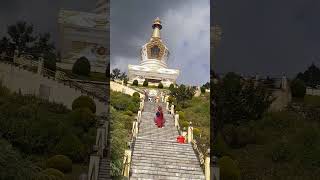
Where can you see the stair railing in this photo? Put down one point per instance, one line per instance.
(99, 149)
(134, 135)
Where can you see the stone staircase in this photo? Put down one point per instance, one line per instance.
(157, 155)
(104, 169)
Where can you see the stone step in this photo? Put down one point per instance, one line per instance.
(165, 161)
(171, 169)
(182, 154)
(160, 164)
(164, 174)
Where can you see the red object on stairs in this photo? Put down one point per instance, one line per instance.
(180, 139)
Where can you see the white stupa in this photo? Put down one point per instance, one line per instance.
(153, 64)
(85, 34)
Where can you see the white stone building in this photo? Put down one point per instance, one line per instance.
(85, 34)
(153, 62)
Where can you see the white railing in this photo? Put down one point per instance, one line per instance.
(128, 152)
(99, 149)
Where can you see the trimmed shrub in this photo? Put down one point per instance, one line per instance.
(160, 85)
(51, 174)
(84, 102)
(71, 146)
(60, 162)
(281, 152)
(136, 94)
(145, 83)
(133, 108)
(229, 170)
(83, 118)
(135, 83)
(298, 88)
(81, 67)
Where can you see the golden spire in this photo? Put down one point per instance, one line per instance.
(156, 26)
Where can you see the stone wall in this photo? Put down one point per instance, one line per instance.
(314, 92)
(27, 82)
(114, 86)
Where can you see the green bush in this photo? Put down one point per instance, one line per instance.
(145, 83)
(196, 132)
(83, 118)
(184, 124)
(81, 67)
(203, 90)
(71, 146)
(50, 61)
(229, 170)
(182, 115)
(84, 102)
(171, 87)
(135, 83)
(133, 108)
(136, 94)
(298, 88)
(51, 174)
(60, 162)
(220, 148)
(160, 85)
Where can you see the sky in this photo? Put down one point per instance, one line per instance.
(186, 32)
(267, 37)
(43, 14)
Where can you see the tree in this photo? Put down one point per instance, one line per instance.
(206, 85)
(237, 100)
(81, 67)
(160, 85)
(43, 44)
(298, 88)
(135, 82)
(145, 83)
(21, 35)
(182, 93)
(115, 74)
(311, 77)
(123, 76)
(203, 90)
(171, 87)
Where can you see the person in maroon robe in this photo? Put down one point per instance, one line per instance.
(159, 120)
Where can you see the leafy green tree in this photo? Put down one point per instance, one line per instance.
(202, 89)
(135, 82)
(160, 85)
(21, 35)
(116, 73)
(311, 77)
(182, 93)
(238, 100)
(171, 87)
(229, 169)
(145, 83)
(298, 88)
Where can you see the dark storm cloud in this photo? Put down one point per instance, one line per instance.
(185, 32)
(43, 14)
(267, 37)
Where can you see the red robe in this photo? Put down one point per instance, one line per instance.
(160, 120)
